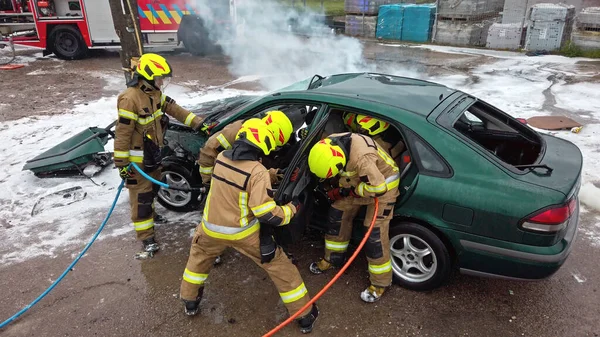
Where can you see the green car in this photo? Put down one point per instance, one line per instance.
(480, 191)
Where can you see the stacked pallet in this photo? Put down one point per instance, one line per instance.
(466, 22)
(361, 16)
(549, 26)
(405, 22)
(505, 36)
(586, 34)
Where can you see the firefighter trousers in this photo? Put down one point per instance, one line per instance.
(341, 216)
(281, 270)
(141, 200)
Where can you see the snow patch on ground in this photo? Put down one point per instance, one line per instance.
(578, 97)
(25, 236)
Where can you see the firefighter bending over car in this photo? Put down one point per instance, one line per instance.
(365, 171)
(279, 124)
(240, 213)
(139, 137)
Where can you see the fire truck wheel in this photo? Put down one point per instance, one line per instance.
(67, 43)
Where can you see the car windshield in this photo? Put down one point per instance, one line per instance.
(298, 86)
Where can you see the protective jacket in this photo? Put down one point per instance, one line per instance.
(218, 143)
(369, 169)
(395, 150)
(141, 109)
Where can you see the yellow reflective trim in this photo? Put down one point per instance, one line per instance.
(207, 205)
(143, 225)
(176, 16)
(380, 268)
(347, 174)
(376, 189)
(150, 119)
(264, 208)
(238, 236)
(287, 211)
(163, 98)
(151, 17)
(163, 16)
(224, 143)
(336, 246)
(395, 183)
(194, 278)
(243, 203)
(360, 190)
(388, 160)
(294, 295)
(189, 119)
(136, 159)
(206, 170)
(128, 114)
(121, 154)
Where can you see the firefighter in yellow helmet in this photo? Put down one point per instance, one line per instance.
(365, 171)
(277, 122)
(139, 137)
(241, 213)
(376, 129)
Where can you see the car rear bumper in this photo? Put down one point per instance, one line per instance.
(521, 262)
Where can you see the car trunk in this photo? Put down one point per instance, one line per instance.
(559, 166)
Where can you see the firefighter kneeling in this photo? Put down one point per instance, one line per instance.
(243, 217)
(366, 171)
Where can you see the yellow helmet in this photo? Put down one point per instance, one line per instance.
(350, 121)
(256, 133)
(371, 126)
(325, 159)
(151, 66)
(280, 125)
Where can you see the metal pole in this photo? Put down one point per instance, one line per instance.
(435, 21)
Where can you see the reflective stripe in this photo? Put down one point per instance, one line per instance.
(143, 225)
(243, 203)
(381, 268)
(206, 170)
(136, 156)
(230, 233)
(294, 295)
(121, 154)
(375, 189)
(336, 246)
(360, 189)
(128, 114)
(388, 160)
(392, 181)
(150, 119)
(224, 143)
(347, 174)
(264, 208)
(139, 153)
(207, 205)
(194, 278)
(163, 98)
(189, 119)
(288, 215)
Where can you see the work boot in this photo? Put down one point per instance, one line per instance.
(159, 219)
(320, 267)
(150, 245)
(307, 322)
(191, 308)
(372, 294)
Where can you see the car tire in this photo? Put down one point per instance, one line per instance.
(177, 201)
(420, 259)
(67, 43)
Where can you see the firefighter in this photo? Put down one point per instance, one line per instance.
(365, 171)
(139, 137)
(376, 129)
(240, 213)
(279, 124)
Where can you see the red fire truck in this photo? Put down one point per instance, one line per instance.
(69, 28)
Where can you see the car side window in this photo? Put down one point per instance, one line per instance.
(428, 160)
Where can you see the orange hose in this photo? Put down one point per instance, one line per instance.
(333, 280)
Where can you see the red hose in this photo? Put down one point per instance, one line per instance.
(333, 280)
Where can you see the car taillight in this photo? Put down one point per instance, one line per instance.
(552, 219)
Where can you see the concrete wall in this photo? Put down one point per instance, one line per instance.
(457, 33)
(469, 8)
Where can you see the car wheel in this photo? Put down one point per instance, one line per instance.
(420, 260)
(178, 201)
(67, 43)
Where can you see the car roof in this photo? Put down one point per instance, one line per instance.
(405, 93)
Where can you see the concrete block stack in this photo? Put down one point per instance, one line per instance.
(505, 36)
(549, 26)
(466, 22)
(361, 16)
(586, 34)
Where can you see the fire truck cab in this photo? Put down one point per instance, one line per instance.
(69, 28)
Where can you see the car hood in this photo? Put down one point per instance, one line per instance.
(206, 109)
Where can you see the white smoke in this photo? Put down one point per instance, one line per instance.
(264, 45)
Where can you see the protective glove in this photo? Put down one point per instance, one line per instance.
(125, 173)
(267, 249)
(302, 133)
(337, 193)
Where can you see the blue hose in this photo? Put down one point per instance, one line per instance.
(145, 175)
(70, 267)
